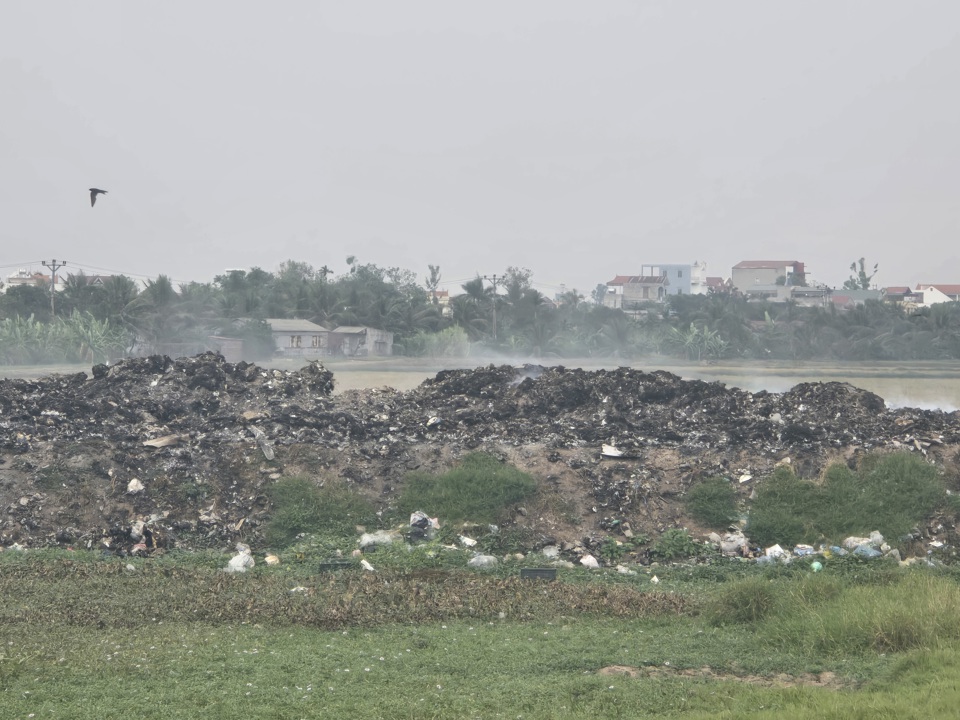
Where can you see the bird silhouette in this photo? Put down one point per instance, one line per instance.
(93, 195)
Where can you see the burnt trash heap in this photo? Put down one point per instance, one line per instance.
(153, 452)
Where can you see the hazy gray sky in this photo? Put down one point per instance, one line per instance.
(578, 139)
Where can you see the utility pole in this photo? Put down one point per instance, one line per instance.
(495, 280)
(54, 266)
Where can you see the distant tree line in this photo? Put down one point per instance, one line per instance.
(95, 321)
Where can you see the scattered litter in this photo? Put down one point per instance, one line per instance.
(483, 561)
(165, 441)
(551, 552)
(589, 562)
(776, 552)
(242, 561)
(134, 487)
(733, 544)
(380, 537)
(266, 447)
(610, 451)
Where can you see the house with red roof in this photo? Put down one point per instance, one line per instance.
(936, 293)
(626, 291)
(951, 292)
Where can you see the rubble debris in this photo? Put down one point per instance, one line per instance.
(219, 432)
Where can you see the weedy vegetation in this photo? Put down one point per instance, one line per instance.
(479, 489)
(887, 492)
(713, 502)
(301, 506)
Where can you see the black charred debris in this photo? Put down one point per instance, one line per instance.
(153, 452)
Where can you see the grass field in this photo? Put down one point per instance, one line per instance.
(83, 637)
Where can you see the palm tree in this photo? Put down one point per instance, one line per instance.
(469, 315)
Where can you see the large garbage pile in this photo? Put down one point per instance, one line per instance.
(155, 452)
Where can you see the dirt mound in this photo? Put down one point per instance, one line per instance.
(158, 452)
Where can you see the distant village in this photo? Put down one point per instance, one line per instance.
(770, 281)
(776, 281)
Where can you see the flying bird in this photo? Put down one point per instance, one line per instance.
(93, 195)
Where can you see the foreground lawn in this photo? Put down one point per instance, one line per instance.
(530, 670)
(84, 639)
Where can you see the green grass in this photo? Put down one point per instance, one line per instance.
(888, 492)
(480, 489)
(82, 637)
(713, 502)
(301, 506)
(450, 670)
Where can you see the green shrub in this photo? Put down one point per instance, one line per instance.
(675, 544)
(300, 506)
(479, 489)
(713, 502)
(745, 601)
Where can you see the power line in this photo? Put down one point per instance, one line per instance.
(21, 264)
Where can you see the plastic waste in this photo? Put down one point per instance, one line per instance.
(775, 552)
(589, 561)
(816, 566)
(482, 561)
(242, 561)
(867, 551)
(733, 544)
(380, 537)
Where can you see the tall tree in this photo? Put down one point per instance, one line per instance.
(432, 282)
(860, 281)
